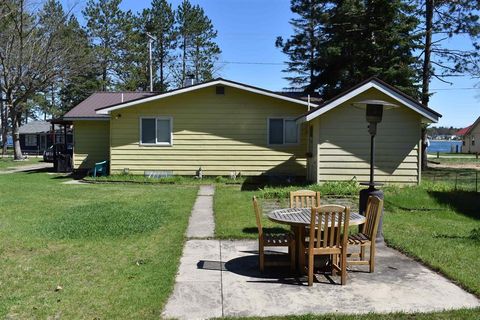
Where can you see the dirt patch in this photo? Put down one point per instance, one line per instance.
(474, 166)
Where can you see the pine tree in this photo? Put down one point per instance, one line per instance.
(198, 50)
(204, 51)
(161, 20)
(356, 39)
(104, 23)
(304, 46)
(132, 66)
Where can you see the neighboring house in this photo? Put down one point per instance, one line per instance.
(36, 136)
(228, 127)
(471, 137)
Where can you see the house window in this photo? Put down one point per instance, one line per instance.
(156, 131)
(473, 141)
(31, 140)
(282, 131)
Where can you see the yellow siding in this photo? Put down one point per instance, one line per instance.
(219, 133)
(91, 143)
(344, 143)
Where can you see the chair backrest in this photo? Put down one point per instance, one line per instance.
(372, 213)
(258, 216)
(326, 226)
(304, 199)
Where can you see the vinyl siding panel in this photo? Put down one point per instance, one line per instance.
(344, 144)
(91, 143)
(220, 133)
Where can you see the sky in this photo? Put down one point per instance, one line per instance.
(247, 30)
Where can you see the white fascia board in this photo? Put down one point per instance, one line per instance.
(86, 118)
(201, 86)
(359, 90)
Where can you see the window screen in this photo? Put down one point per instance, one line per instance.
(148, 130)
(291, 131)
(275, 134)
(163, 131)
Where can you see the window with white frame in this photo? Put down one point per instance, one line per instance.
(31, 140)
(282, 131)
(156, 131)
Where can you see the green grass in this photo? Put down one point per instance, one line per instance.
(177, 180)
(114, 249)
(8, 162)
(461, 314)
(439, 226)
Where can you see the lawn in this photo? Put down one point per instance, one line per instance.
(8, 162)
(88, 251)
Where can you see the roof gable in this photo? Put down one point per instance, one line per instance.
(215, 82)
(379, 85)
(473, 126)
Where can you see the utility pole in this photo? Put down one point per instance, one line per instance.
(150, 40)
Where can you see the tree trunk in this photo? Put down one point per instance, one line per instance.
(427, 67)
(4, 119)
(17, 150)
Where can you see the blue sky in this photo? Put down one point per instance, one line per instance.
(247, 30)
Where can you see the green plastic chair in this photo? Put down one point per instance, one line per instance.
(100, 169)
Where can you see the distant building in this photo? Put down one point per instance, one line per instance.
(470, 137)
(36, 136)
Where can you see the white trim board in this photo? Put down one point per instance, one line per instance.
(205, 85)
(371, 84)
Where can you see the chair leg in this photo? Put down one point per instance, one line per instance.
(261, 257)
(362, 253)
(310, 269)
(344, 267)
(372, 257)
(334, 263)
(291, 249)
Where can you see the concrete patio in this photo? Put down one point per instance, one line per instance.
(220, 278)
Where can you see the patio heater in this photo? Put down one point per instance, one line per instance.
(374, 113)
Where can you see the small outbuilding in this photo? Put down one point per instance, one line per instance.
(470, 137)
(36, 136)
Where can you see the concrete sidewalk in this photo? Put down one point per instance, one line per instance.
(202, 223)
(220, 278)
(31, 167)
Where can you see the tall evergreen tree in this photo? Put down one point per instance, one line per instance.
(196, 37)
(304, 46)
(161, 20)
(358, 39)
(105, 20)
(204, 51)
(131, 67)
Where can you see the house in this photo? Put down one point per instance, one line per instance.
(470, 137)
(36, 136)
(226, 127)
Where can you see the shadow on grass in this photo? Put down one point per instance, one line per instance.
(271, 230)
(464, 202)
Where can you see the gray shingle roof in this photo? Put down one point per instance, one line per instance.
(86, 108)
(35, 127)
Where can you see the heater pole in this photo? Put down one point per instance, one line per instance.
(372, 158)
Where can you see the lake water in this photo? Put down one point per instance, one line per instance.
(444, 146)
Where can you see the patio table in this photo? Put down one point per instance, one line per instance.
(299, 219)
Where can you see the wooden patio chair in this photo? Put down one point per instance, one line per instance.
(328, 236)
(367, 237)
(272, 240)
(304, 199)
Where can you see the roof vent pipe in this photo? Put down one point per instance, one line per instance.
(122, 97)
(308, 99)
(189, 81)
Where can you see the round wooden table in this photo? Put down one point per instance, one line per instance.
(298, 219)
